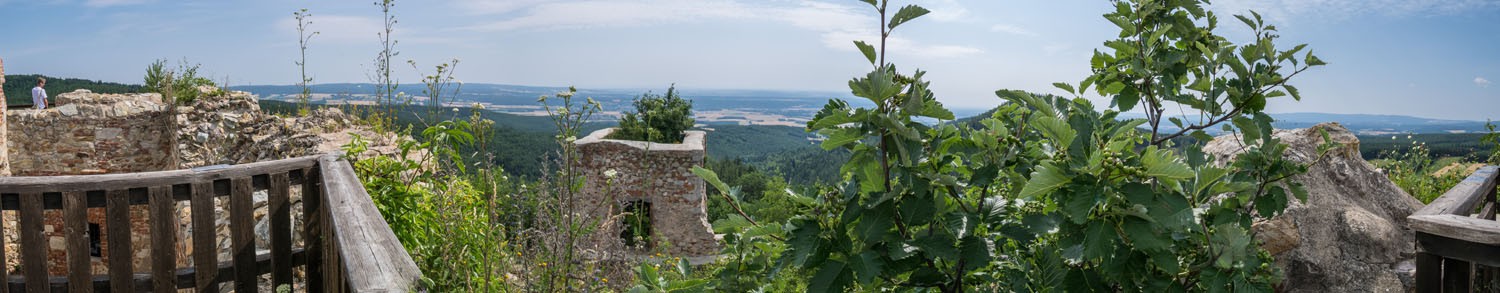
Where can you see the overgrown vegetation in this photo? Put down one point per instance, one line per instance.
(1047, 193)
(657, 118)
(177, 86)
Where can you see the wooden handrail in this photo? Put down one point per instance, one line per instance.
(1455, 246)
(347, 245)
(373, 260)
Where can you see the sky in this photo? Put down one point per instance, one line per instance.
(1426, 58)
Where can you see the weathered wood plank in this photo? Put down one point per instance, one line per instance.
(1429, 272)
(33, 245)
(1463, 196)
(373, 259)
(1458, 227)
(1449, 248)
(163, 239)
(281, 230)
(147, 179)
(117, 219)
(1456, 275)
(242, 234)
(1487, 212)
(205, 253)
(312, 229)
(184, 277)
(76, 233)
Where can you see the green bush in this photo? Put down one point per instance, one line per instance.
(657, 118)
(179, 86)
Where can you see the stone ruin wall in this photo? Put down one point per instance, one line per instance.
(660, 174)
(87, 133)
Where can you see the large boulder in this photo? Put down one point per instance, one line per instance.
(1350, 235)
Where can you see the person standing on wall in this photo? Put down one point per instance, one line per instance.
(39, 94)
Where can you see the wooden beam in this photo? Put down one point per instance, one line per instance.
(120, 252)
(38, 184)
(372, 258)
(75, 231)
(1462, 197)
(1458, 227)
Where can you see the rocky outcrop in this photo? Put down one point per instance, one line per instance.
(1349, 235)
(231, 129)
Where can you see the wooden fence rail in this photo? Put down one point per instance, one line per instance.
(1458, 239)
(337, 213)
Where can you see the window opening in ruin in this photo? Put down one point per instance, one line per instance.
(637, 223)
(94, 250)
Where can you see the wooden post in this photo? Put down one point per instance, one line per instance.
(281, 230)
(1429, 272)
(312, 229)
(205, 253)
(33, 245)
(242, 233)
(75, 228)
(1456, 275)
(163, 239)
(117, 217)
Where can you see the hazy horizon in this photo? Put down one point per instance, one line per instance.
(1414, 58)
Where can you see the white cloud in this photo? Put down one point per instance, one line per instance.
(108, 3)
(838, 25)
(1481, 82)
(1287, 10)
(1011, 29)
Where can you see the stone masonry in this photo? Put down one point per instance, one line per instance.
(88, 133)
(620, 173)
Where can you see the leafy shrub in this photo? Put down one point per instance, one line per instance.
(1415, 171)
(1050, 193)
(657, 118)
(179, 86)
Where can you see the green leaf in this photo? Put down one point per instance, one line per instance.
(1099, 240)
(833, 276)
(1246, 20)
(1044, 179)
(842, 136)
(1161, 163)
(1299, 191)
(935, 109)
(1271, 203)
(1078, 205)
(871, 2)
(1053, 128)
(867, 49)
(867, 266)
(1293, 90)
(1144, 237)
(1064, 86)
(711, 177)
(939, 245)
(874, 224)
(906, 14)
(1114, 88)
(1313, 60)
(976, 252)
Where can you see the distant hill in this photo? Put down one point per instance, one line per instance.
(1362, 124)
(18, 87)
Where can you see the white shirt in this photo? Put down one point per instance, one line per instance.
(39, 97)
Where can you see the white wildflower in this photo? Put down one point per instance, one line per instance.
(610, 173)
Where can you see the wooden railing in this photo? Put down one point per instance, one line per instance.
(1458, 249)
(347, 245)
